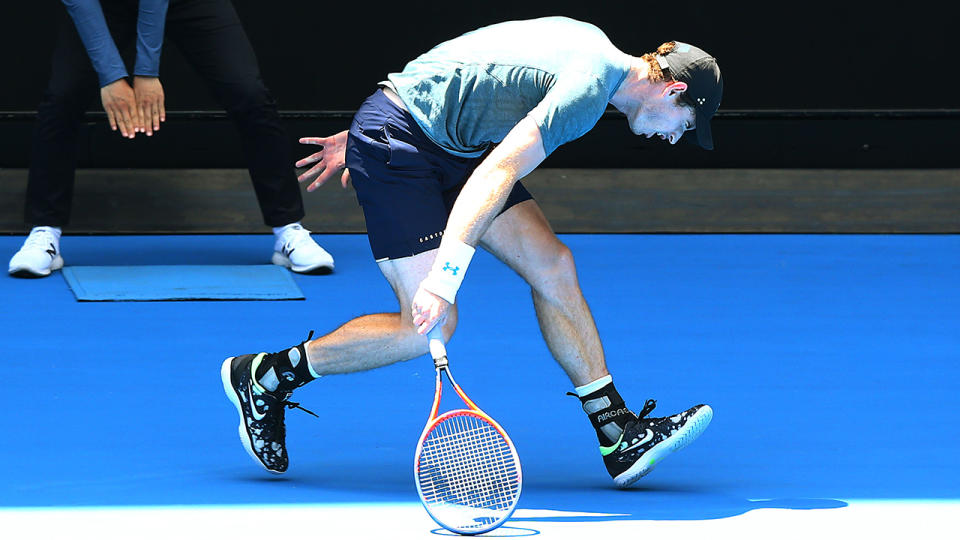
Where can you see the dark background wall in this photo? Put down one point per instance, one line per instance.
(812, 57)
(328, 55)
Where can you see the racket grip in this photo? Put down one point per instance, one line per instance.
(437, 350)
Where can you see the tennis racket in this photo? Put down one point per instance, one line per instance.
(466, 468)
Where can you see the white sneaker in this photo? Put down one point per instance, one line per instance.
(296, 250)
(39, 255)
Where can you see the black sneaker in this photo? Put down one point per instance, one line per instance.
(646, 441)
(262, 431)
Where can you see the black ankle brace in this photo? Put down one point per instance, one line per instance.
(290, 366)
(603, 407)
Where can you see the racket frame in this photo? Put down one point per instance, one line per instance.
(441, 364)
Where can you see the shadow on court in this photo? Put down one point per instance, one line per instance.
(649, 500)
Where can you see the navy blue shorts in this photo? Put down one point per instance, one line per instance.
(405, 183)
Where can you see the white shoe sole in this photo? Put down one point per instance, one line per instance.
(232, 396)
(27, 272)
(679, 440)
(324, 267)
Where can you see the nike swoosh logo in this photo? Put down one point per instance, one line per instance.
(257, 415)
(607, 450)
(646, 438)
(52, 251)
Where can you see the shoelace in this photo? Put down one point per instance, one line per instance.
(295, 405)
(648, 408)
(634, 425)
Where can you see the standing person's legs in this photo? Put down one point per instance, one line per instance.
(71, 89)
(212, 39)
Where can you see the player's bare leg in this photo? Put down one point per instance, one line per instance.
(260, 385)
(631, 444)
(372, 341)
(522, 238)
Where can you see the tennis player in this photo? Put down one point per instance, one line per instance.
(435, 156)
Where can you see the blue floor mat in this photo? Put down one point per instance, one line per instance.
(178, 282)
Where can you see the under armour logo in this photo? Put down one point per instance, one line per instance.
(453, 269)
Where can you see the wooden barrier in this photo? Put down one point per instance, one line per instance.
(575, 201)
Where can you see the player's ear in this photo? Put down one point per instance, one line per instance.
(674, 88)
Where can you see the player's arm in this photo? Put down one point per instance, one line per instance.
(481, 199)
(487, 189)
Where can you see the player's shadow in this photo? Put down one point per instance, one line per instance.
(651, 501)
(582, 499)
(385, 477)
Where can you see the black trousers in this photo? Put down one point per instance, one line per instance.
(210, 35)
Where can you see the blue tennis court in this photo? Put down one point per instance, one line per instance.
(832, 363)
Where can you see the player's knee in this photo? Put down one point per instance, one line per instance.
(556, 270)
(449, 323)
(449, 326)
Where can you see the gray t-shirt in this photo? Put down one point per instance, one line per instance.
(472, 90)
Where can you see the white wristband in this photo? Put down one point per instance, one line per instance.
(448, 270)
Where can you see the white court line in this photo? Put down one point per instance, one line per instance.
(862, 519)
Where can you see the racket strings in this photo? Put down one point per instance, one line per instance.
(466, 463)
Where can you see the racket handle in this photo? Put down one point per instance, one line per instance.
(437, 349)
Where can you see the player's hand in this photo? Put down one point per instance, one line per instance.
(150, 109)
(428, 310)
(329, 161)
(120, 103)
